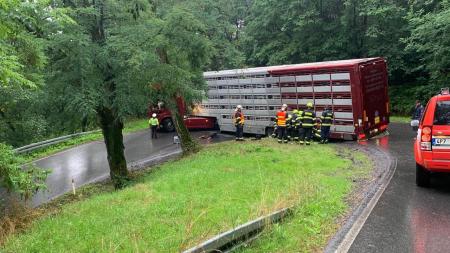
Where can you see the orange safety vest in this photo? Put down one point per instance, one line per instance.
(281, 118)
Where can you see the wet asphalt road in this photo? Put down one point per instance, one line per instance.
(88, 163)
(407, 218)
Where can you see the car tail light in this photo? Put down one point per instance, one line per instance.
(425, 139)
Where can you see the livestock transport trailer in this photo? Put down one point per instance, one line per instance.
(356, 90)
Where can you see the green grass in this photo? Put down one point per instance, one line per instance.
(187, 201)
(400, 119)
(130, 126)
(315, 218)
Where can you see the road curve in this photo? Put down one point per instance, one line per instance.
(407, 218)
(87, 163)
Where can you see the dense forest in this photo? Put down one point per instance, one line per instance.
(72, 65)
(50, 66)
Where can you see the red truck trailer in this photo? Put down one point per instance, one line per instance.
(356, 90)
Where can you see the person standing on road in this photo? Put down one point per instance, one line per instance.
(239, 123)
(154, 124)
(281, 124)
(308, 117)
(326, 121)
(417, 111)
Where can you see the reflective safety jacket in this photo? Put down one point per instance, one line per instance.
(153, 122)
(316, 133)
(238, 118)
(327, 118)
(281, 118)
(295, 120)
(308, 117)
(299, 118)
(289, 123)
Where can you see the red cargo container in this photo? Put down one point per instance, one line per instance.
(357, 91)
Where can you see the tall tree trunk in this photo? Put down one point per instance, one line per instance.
(188, 144)
(112, 132)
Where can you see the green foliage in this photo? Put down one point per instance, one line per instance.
(187, 201)
(16, 179)
(430, 39)
(280, 32)
(21, 64)
(21, 54)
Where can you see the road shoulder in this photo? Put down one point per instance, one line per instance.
(365, 198)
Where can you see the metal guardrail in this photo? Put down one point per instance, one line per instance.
(229, 239)
(47, 143)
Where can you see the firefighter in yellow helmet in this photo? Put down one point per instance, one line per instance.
(308, 117)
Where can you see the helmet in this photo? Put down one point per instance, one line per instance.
(295, 111)
(154, 115)
(309, 105)
(239, 107)
(284, 105)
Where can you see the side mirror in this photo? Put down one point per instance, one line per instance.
(414, 125)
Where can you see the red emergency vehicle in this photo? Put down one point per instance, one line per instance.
(432, 145)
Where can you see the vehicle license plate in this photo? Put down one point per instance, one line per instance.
(441, 142)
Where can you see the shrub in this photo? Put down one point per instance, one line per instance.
(22, 180)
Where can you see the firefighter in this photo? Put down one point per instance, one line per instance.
(316, 133)
(326, 122)
(275, 130)
(308, 117)
(153, 122)
(239, 123)
(289, 126)
(281, 124)
(295, 125)
(299, 125)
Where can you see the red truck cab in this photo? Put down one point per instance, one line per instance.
(432, 145)
(191, 122)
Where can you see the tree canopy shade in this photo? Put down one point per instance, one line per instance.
(21, 54)
(21, 62)
(108, 54)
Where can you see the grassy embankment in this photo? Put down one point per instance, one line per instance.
(187, 201)
(400, 119)
(130, 126)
